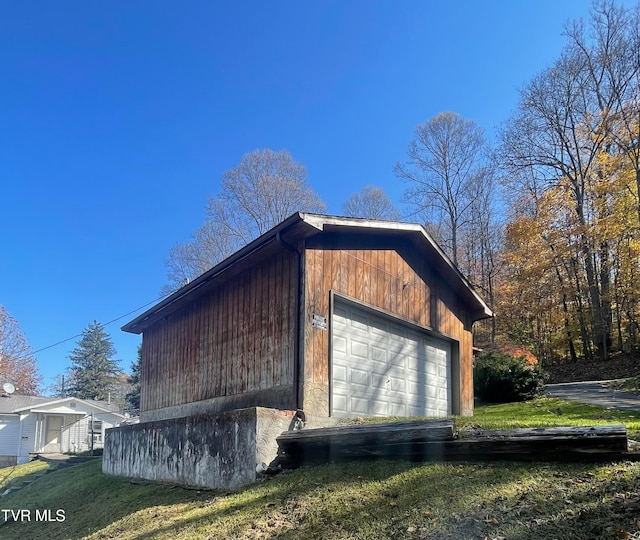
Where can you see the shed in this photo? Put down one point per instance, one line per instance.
(330, 315)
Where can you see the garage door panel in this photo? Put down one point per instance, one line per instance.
(379, 408)
(386, 369)
(431, 391)
(340, 405)
(359, 406)
(378, 367)
(396, 384)
(378, 354)
(397, 409)
(395, 341)
(340, 344)
(380, 330)
(359, 349)
(359, 376)
(340, 373)
(359, 323)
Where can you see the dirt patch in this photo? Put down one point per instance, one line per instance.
(620, 366)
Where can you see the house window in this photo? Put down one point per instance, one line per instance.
(95, 428)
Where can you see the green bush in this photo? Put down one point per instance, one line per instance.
(501, 378)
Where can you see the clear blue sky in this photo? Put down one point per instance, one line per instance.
(117, 120)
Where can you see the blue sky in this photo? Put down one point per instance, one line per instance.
(117, 120)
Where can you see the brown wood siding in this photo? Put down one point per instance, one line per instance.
(237, 338)
(392, 278)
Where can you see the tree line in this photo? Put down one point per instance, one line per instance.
(571, 154)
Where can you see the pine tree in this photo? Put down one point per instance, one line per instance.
(133, 397)
(93, 371)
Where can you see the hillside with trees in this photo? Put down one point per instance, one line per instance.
(570, 156)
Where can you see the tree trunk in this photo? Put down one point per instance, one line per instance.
(584, 332)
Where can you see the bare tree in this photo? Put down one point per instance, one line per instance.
(443, 161)
(59, 388)
(480, 241)
(17, 362)
(610, 48)
(370, 203)
(264, 189)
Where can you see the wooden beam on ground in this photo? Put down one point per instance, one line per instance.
(410, 440)
(369, 434)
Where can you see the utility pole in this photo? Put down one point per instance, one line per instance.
(91, 453)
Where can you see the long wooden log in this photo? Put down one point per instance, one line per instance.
(592, 443)
(370, 434)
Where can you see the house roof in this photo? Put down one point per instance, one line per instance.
(12, 404)
(304, 225)
(9, 403)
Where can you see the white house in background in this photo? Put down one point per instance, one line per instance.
(33, 424)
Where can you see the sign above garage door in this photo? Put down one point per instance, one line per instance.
(383, 366)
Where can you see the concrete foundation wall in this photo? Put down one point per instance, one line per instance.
(316, 398)
(212, 451)
(279, 397)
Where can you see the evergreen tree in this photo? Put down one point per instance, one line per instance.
(93, 371)
(133, 397)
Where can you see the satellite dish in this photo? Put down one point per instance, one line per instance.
(8, 388)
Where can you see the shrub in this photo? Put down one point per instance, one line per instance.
(502, 378)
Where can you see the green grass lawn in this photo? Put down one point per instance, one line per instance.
(363, 500)
(549, 412)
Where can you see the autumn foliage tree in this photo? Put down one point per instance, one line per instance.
(570, 153)
(17, 361)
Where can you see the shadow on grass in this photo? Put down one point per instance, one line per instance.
(318, 502)
(400, 499)
(11, 477)
(375, 499)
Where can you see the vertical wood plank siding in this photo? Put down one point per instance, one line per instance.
(237, 338)
(393, 278)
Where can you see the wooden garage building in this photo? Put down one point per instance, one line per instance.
(330, 315)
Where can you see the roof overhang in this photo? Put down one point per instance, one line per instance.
(300, 226)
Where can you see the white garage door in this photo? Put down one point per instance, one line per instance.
(385, 368)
